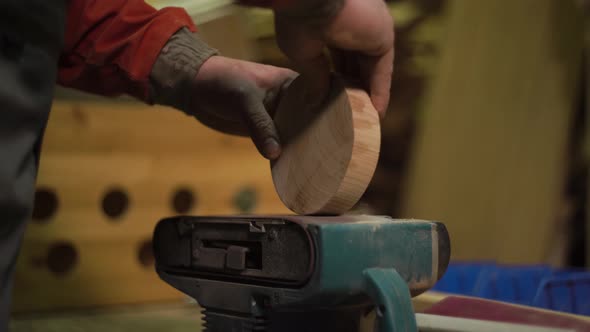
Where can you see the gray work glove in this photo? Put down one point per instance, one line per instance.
(233, 96)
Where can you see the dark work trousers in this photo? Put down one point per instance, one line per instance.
(31, 37)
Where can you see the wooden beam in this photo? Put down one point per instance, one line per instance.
(489, 155)
(76, 252)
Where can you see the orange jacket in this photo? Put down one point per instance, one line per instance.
(111, 46)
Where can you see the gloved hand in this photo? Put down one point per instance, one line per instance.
(233, 96)
(240, 97)
(360, 32)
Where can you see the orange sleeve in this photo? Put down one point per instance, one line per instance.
(111, 46)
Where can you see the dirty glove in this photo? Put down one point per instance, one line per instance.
(233, 96)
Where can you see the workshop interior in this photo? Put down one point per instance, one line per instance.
(474, 219)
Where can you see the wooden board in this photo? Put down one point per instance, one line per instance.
(329, 153)
(108, 173)
(81, 180)
(133, 128)
(489, 155)
(174, 316)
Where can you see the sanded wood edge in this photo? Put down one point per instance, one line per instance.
(365, 154)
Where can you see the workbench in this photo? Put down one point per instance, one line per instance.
(177, 316)
(173, 316)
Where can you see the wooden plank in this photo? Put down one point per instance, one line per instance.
(132, 128)
(426, 300)
(174, 316)
(107, 271)
(81, 180)
(78, 255)
(488, 158)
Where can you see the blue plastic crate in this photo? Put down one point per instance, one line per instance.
(461, 278)
(513, 284)
(541, 286)
(569, 293)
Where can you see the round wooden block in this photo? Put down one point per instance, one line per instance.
(329, 152)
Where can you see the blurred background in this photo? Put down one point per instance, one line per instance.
(487, 132)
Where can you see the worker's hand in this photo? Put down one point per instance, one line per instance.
(232, 96)
(360, 33)
(240, 97)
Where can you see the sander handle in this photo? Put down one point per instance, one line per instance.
(392, 299)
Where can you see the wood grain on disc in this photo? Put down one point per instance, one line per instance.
(329, 152)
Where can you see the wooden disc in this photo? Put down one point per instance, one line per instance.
(329, 152)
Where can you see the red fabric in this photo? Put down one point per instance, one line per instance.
(111, 46)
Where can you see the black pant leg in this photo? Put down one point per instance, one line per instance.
(31, 34)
